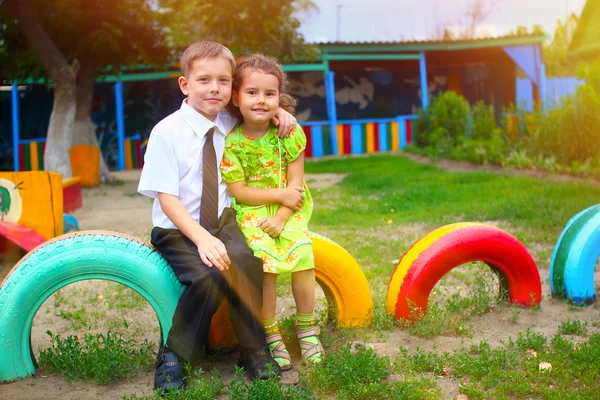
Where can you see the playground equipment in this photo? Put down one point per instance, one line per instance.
(434, 255)
(574, 258)
(32, 205)
(124, 259)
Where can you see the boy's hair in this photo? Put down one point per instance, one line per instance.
(266, 65)
(204, 49)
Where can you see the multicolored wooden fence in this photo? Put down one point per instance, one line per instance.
(133, 152)
(359, 136)
(31, 154)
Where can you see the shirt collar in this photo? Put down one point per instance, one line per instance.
(199, 123)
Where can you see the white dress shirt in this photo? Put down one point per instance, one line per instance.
(173, 160)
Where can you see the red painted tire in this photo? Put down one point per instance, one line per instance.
(434, 255)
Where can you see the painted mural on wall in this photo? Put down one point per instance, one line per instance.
(362, 94)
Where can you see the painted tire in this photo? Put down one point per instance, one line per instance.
(71, 258)
(344, 283)
(574, 258)
(431, 257)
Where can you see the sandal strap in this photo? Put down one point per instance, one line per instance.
(309, 349)
(301, 333)
(279, 351)
(273, 337)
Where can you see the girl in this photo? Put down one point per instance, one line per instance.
(265, 176)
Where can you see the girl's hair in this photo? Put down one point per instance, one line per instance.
(266, 65)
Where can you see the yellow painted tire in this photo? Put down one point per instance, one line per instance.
(344, 283)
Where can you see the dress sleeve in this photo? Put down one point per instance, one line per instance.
(231, 166)
(295, 144)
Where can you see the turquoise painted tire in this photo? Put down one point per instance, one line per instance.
(574, 258)
(71, 258)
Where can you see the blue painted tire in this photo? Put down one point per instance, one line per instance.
(574, 258)
(71, 258)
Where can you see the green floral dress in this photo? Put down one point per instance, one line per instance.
(262, 163)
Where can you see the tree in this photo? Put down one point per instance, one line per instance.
(72, 40)
(465, 25)
(555, 52)
(266, 26)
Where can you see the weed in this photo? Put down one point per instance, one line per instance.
(573, 328)
(340, 369)
(531, 340)
(410, 389)
(198, 388)
(101, 357)
(241, 389)
(422, 361)
(516, 314)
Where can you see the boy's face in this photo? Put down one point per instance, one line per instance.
(208, 85)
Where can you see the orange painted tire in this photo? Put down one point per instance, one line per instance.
(342, 280)
(431, 257)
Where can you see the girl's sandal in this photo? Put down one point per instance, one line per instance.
(278, 351)
(311, 352)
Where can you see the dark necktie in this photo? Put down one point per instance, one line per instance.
(209, 203)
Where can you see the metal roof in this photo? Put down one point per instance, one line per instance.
(433, 45)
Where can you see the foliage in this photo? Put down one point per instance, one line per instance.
(198, 388)
(240, 389)
(111, 32)
(342, 368)
(101, 357)
(484, 121)
(444, 123)
(570, 132)
(267, 26)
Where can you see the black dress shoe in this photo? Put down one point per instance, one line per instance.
(259, 364)
(168, 374)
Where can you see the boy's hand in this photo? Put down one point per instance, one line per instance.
(213, 253)
(271, 225)
(292, 197)
(285, 121)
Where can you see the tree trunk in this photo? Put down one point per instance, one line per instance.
(84, 130)
(62, 119)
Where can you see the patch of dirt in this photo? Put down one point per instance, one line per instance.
(120, 208)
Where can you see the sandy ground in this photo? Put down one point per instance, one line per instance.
(119, 208)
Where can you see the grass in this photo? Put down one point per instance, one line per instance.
(377, 212)
(512, 370)
(100, 357)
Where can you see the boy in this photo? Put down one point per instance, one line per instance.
(194, 227)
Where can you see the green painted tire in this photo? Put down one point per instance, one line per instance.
(71, 258)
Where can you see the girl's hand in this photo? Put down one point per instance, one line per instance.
(272, 225)
(292, 197)
(285, 121)
(213, 253)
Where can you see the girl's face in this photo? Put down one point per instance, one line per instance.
(258, 97)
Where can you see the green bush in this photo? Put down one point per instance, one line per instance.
(571, 131)
(444, 123)
(484, 121)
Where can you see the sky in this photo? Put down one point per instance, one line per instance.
(393, 20)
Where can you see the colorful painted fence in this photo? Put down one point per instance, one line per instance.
(359, 136)
(133, 152)
(31, 154)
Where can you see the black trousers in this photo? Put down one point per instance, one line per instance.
(205, 288)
